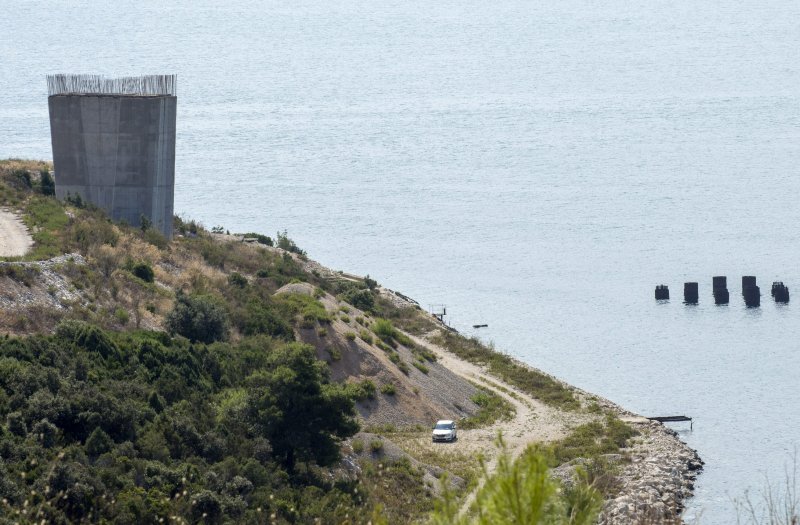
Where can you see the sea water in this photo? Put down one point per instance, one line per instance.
(535, 166)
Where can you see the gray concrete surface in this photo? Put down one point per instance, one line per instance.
(117, 152)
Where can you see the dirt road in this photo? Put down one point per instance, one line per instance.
(533, 421)
(14, 237)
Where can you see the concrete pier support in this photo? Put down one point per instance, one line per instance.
(662, 292)
(721, 295)
(690, 293)
(780, 292)
(117, 151)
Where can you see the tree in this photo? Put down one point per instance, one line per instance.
(47, 184)
(197, 318)
(293, 404)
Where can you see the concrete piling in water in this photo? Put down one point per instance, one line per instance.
(780, 292)
(750, 291)
(662, 292)
(690, 293)
(721, 295)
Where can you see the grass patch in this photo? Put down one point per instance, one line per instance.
(592, 440)
(366, 336)
(491, 408)
(306, 307)
(421, 367)
(20, 273)
(398, 487)
(533, 382)
(388, 389)
(462, 464)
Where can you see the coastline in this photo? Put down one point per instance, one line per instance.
(657, 475)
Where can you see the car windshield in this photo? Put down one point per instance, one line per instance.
(443, 426)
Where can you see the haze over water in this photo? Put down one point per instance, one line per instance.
(539, 167)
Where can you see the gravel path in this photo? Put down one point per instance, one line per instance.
(533, 421)
(14, 237)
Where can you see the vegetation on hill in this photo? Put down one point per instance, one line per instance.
(169, 383)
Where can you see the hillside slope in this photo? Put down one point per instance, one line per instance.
(223, 378)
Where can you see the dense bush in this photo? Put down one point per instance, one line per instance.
(143, 271)
(198, 318)
(361, 298)
(118, 424)
(47, 184)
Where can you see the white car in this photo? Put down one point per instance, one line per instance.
(445, 430)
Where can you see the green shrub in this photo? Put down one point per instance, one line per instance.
(491, 408)
(350, 336)
(335, 353)
(388, 389)
(305, 306)
(322, 332)
(421, 367)
(198, 318)
(22, 274)
(358, 446)
(238, 280)
(47, 184)
(366, 336)
(376, 445)
(362, 390)
(360, 298)
(345, 318)
(284, 242)
(264, 317)
(143, 271)
(394, 357)
(260, 239)
(122, 316)
(156, 238)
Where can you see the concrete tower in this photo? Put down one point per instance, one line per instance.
(114, 144)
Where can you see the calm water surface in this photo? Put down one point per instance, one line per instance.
(535, 166)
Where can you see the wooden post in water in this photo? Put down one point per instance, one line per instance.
(662, 292)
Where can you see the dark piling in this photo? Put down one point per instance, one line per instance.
(752, 296)
(780, 292)
(690, 293)
(662, 292)
(721, 295)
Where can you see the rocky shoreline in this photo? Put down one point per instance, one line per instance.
(656, 478)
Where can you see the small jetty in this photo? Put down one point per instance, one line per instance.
(672, 419)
